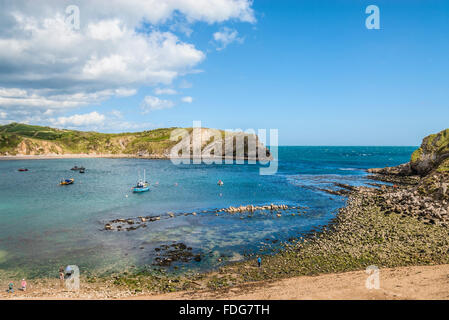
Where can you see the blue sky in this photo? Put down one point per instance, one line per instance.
(308, 68)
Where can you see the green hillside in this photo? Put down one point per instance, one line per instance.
(17, 138)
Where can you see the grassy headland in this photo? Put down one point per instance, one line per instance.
(18, 139)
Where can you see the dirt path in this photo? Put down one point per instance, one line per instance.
(429, 282)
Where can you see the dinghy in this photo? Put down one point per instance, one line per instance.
(75, 168)
(66, 182)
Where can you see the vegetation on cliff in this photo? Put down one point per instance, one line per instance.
(23, 139)
(432, 155)
(16, 138)
(430, 163)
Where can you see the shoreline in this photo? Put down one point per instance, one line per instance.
(365, 232)
(400, 283)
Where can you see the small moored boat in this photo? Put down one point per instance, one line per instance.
(66, 182)
(82, 171)
(75, 168)
(142, 185)
(23, 169)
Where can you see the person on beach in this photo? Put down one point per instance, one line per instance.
(259, 262)
(10, 287)
(61, 276)
(24, 285)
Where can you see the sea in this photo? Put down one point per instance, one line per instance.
(44, 225)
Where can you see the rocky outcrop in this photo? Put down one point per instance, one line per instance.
(432, 154)
(131, 224)
(238, 145)
(401, 170)
(429, 163)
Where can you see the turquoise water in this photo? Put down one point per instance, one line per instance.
(45, 225)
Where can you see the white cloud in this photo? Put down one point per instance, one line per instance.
(123, 92)
(80, 120)
(48, 100)
(187, 99)
(165, 91)
(83, 66)
(151, 103)
(3, 115)
(12, 93)
(97, 121)
(116, 114)
(160, 11)
(185, 84)
(106, 30)
(226, 36)
(48, 67)
(116, 126)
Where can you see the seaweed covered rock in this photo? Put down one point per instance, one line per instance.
(401, 170)
(435, 184)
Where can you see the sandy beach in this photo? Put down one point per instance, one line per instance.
(422, 282)
(404, 283)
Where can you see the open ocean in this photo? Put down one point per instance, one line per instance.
(44, 225)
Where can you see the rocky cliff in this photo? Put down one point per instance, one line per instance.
(430, 162)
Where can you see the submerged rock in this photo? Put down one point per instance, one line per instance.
(175, 252)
